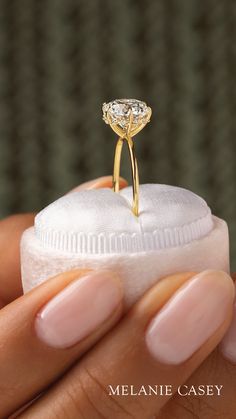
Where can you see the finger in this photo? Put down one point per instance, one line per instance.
(209, 392)
(47, 329)
(11, 230)
(163, 339)
(102, 182)
(228, 344)
(215, 377)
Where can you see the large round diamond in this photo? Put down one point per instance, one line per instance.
(118, 112)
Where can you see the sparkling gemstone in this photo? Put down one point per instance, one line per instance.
(118, 112)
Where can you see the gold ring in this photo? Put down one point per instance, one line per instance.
(127, 117)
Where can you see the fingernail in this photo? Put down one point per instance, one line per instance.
(101, 182)
(93, 184)
(190, 317)
(228, 344)
(79, 309)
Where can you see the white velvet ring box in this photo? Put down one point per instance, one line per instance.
(175, 232)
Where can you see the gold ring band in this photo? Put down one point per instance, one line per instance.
(134, 168)
(127, 117)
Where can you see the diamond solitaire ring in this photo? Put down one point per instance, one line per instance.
(127, 117)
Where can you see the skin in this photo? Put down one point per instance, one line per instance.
(72, 382)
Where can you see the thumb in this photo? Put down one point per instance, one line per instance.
(152, 352)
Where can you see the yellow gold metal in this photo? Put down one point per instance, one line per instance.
(125, 135)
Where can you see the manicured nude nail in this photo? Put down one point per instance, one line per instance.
(190, 317)
(79, 309)
(228, 344)
(101, 182)
(91, 184)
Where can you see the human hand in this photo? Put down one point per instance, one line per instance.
(31, 359)
(46, 332)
